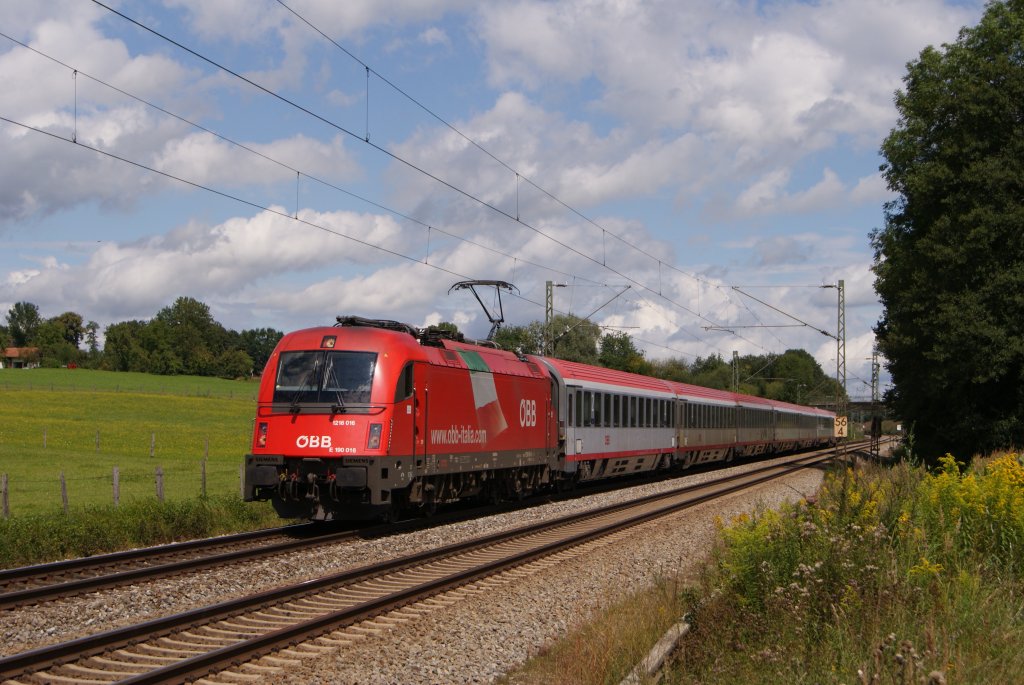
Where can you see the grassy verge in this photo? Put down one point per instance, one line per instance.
(890, 576)
(98, 529)
(84, 433)
(610, 645)
(83, 423)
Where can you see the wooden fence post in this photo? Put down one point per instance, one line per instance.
(160, 483)
(117, 486)
(3, 495)
(97, 439)
(152, 444)
(204, 478)
(64, 491)
(241, 480)
(44, 438)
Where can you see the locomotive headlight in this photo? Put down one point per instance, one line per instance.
(373, 442)
(261, 435)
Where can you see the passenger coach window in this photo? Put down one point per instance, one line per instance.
(616, 412)
(607, 409)
(632, 412)
(597, 409)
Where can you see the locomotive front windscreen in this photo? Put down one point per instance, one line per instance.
(325, 376)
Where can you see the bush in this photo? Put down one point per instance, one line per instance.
(100, 529)
(891, 575)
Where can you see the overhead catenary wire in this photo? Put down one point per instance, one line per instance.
(250, 203)
(519, 176)
(515, 258)
(290, 168)
(417, 168)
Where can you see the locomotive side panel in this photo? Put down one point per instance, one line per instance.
(475, 419)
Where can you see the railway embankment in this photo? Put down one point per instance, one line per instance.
(888, 575)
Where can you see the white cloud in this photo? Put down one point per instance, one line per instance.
(701, 132)
(768, 196)
(205, 159)
(870, 189)
(137, 278)
(435, 36)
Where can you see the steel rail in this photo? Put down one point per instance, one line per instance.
(46, 591)
(232, 655)
(53, 567)
(39, 659)
(68, 588)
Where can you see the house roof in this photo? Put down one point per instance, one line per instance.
(18, 352)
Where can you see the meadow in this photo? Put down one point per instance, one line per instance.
(84, 423)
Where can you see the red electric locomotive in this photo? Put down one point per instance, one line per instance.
(370, 417)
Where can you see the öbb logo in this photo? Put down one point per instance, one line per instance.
(527, 413)
(304, 441)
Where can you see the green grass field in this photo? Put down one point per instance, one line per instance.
(50, 420)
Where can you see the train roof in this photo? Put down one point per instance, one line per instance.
(802, 409)
(440, 349)
(575, 371)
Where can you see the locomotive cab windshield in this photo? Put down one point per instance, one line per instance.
(331, 377)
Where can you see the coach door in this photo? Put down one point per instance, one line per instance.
(573, 412)
(681, 425)
(409, 431)
(403, 439)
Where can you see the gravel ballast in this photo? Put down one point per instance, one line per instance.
(474, 636)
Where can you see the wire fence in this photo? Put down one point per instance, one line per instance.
(159, 482)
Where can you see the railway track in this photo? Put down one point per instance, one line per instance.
(317, 616)
(33, 584)
(30, 585)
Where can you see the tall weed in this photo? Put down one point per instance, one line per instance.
(99, 529)
(889, 575)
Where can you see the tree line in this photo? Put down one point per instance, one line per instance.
(182, 338)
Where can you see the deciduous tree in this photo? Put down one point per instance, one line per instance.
(949, 262)
(22, 322)
(617, 351)
(259, 344)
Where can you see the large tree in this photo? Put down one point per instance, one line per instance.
(190, 334)
(617, 351)
(259, 343)
(571, 338)
(949, 263)
(23, 321)
(71, 327)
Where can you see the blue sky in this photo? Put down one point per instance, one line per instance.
(682, 149)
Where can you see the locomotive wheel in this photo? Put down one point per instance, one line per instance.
(429, 506)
